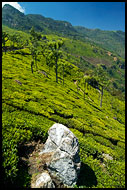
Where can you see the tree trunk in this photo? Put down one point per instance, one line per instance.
(84, 89)
(101, 97)
(61, 80)
(77, 86)
(63, 75)
(4, 48)
(56, 71)
(32, 63)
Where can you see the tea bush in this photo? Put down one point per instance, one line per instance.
(32, 103)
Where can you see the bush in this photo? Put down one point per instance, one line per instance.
(12, 136)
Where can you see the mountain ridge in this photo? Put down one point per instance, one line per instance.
(114, 41)
(7, 5)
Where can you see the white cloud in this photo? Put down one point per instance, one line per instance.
(15, 5)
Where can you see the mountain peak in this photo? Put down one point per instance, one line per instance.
(10, 9)
(13, 18)
(7, 6)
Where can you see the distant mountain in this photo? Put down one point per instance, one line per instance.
(110, 40)
(113, 40)
(15, 19)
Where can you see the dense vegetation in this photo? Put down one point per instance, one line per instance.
(83, 90)
(111, 40)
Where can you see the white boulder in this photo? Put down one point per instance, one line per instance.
(43, 180)
(63, 147)
(107, 156)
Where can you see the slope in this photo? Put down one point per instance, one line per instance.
(110, 40)
(32, 102)
(87, 56)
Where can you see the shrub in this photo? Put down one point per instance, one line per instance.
(12, 136)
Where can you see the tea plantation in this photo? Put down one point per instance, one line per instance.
(33, 102)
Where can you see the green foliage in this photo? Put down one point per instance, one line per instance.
(5, 38)
(19, 127)
(117, 173)
(55, 54)
(14, 38)
(32, 102)
(33, 46)
(107, 39)
(12, 136)
(81, 54)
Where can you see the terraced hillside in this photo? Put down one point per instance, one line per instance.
(32, 102)
(87, 56)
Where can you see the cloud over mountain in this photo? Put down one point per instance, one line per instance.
(15, 5)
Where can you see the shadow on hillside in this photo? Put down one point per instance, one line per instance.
(86, 177)
(23, 178)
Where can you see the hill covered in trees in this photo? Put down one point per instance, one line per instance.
(111, 40)
(48, 78)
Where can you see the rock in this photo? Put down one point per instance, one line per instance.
(107, 157)
(64, 160)
(115, 58)
(44, 73)
(103, 164)
(18, 82)
(43, 180)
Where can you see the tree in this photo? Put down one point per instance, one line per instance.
(15, 39)
(33, 46)
(5, 38)
(46, 52)
(78, 77)
(102, 79)
(20, 42)
(64, 66)
(35, 35)
(34, 53)
(56, 54)
(86, 79)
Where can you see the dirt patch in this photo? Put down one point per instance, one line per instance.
(29, 153)
(95, 61)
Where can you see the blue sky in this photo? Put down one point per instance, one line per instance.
(102, 15)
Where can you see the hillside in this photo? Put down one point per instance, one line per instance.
(87, 56)
(15, 19)
(32, 102)
(110, 40)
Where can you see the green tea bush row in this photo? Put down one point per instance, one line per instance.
(11, 137)
(19, 127)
